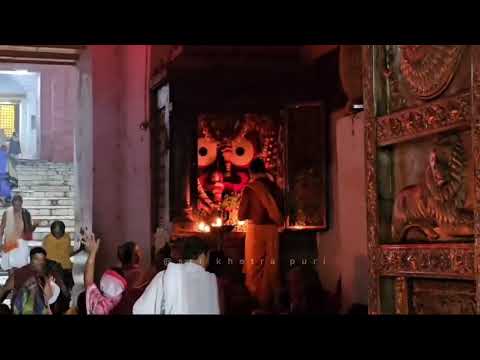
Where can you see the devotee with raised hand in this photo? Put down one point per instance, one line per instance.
(16, 229)
(261, 206)
(112, 284)
(183, 288)
(34, 287)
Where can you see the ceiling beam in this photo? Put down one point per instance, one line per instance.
(76, 47)
(38, 55)
(35, 61)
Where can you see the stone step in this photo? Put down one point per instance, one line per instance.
(44, 182)
(45, 166)
(47, 190)
(40, 176)
(32, 172)
(47, 220)
(44, 171)
(44, 194)
(50, 188)
(41, 232)
(54, 201)
(25, 170)
(36, 163)
(42, 210)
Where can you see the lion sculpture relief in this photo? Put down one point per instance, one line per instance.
(436, 207)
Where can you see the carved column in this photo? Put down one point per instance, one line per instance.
(475, 92)
(371, 181)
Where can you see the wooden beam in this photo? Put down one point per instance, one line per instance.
(38, 55)
(35, 61)
(76, 47)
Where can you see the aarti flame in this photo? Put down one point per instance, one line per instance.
(218, 222)
(202, 227)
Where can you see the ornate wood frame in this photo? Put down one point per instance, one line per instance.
(446, 261)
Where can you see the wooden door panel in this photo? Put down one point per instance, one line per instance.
(423, 186)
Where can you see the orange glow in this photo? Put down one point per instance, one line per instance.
(218, 222)
(202, 227)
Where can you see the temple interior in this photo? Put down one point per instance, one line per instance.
(373, 148)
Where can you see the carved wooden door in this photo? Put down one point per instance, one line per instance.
(423, 177)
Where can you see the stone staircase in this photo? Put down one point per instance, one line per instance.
(47, 191)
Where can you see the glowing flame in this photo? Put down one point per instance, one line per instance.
(218, 222)
(202, 227)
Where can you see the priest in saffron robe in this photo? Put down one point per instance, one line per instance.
(261, 205)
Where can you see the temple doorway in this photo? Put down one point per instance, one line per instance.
(40, 109)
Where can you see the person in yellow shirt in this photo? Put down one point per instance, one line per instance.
(58, 246)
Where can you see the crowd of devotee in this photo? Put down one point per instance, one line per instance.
(184, 278)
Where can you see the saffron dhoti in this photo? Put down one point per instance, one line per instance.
(261, 265)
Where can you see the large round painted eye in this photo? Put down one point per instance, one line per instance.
(207, 152)
(243, 152)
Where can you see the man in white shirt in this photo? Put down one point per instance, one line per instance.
(182, 289)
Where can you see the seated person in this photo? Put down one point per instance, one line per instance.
(112, 284)
(58, 245)
(62, 303)
(33, 286)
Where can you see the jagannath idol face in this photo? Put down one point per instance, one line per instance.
(224, 155)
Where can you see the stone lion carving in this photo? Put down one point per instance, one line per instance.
(436, 206)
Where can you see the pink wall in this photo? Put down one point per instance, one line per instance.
(343, 249)
(121, 178)
(57, 110)
(107, 86)
(136, 148)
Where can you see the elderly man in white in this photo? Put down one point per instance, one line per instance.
(182, 289)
